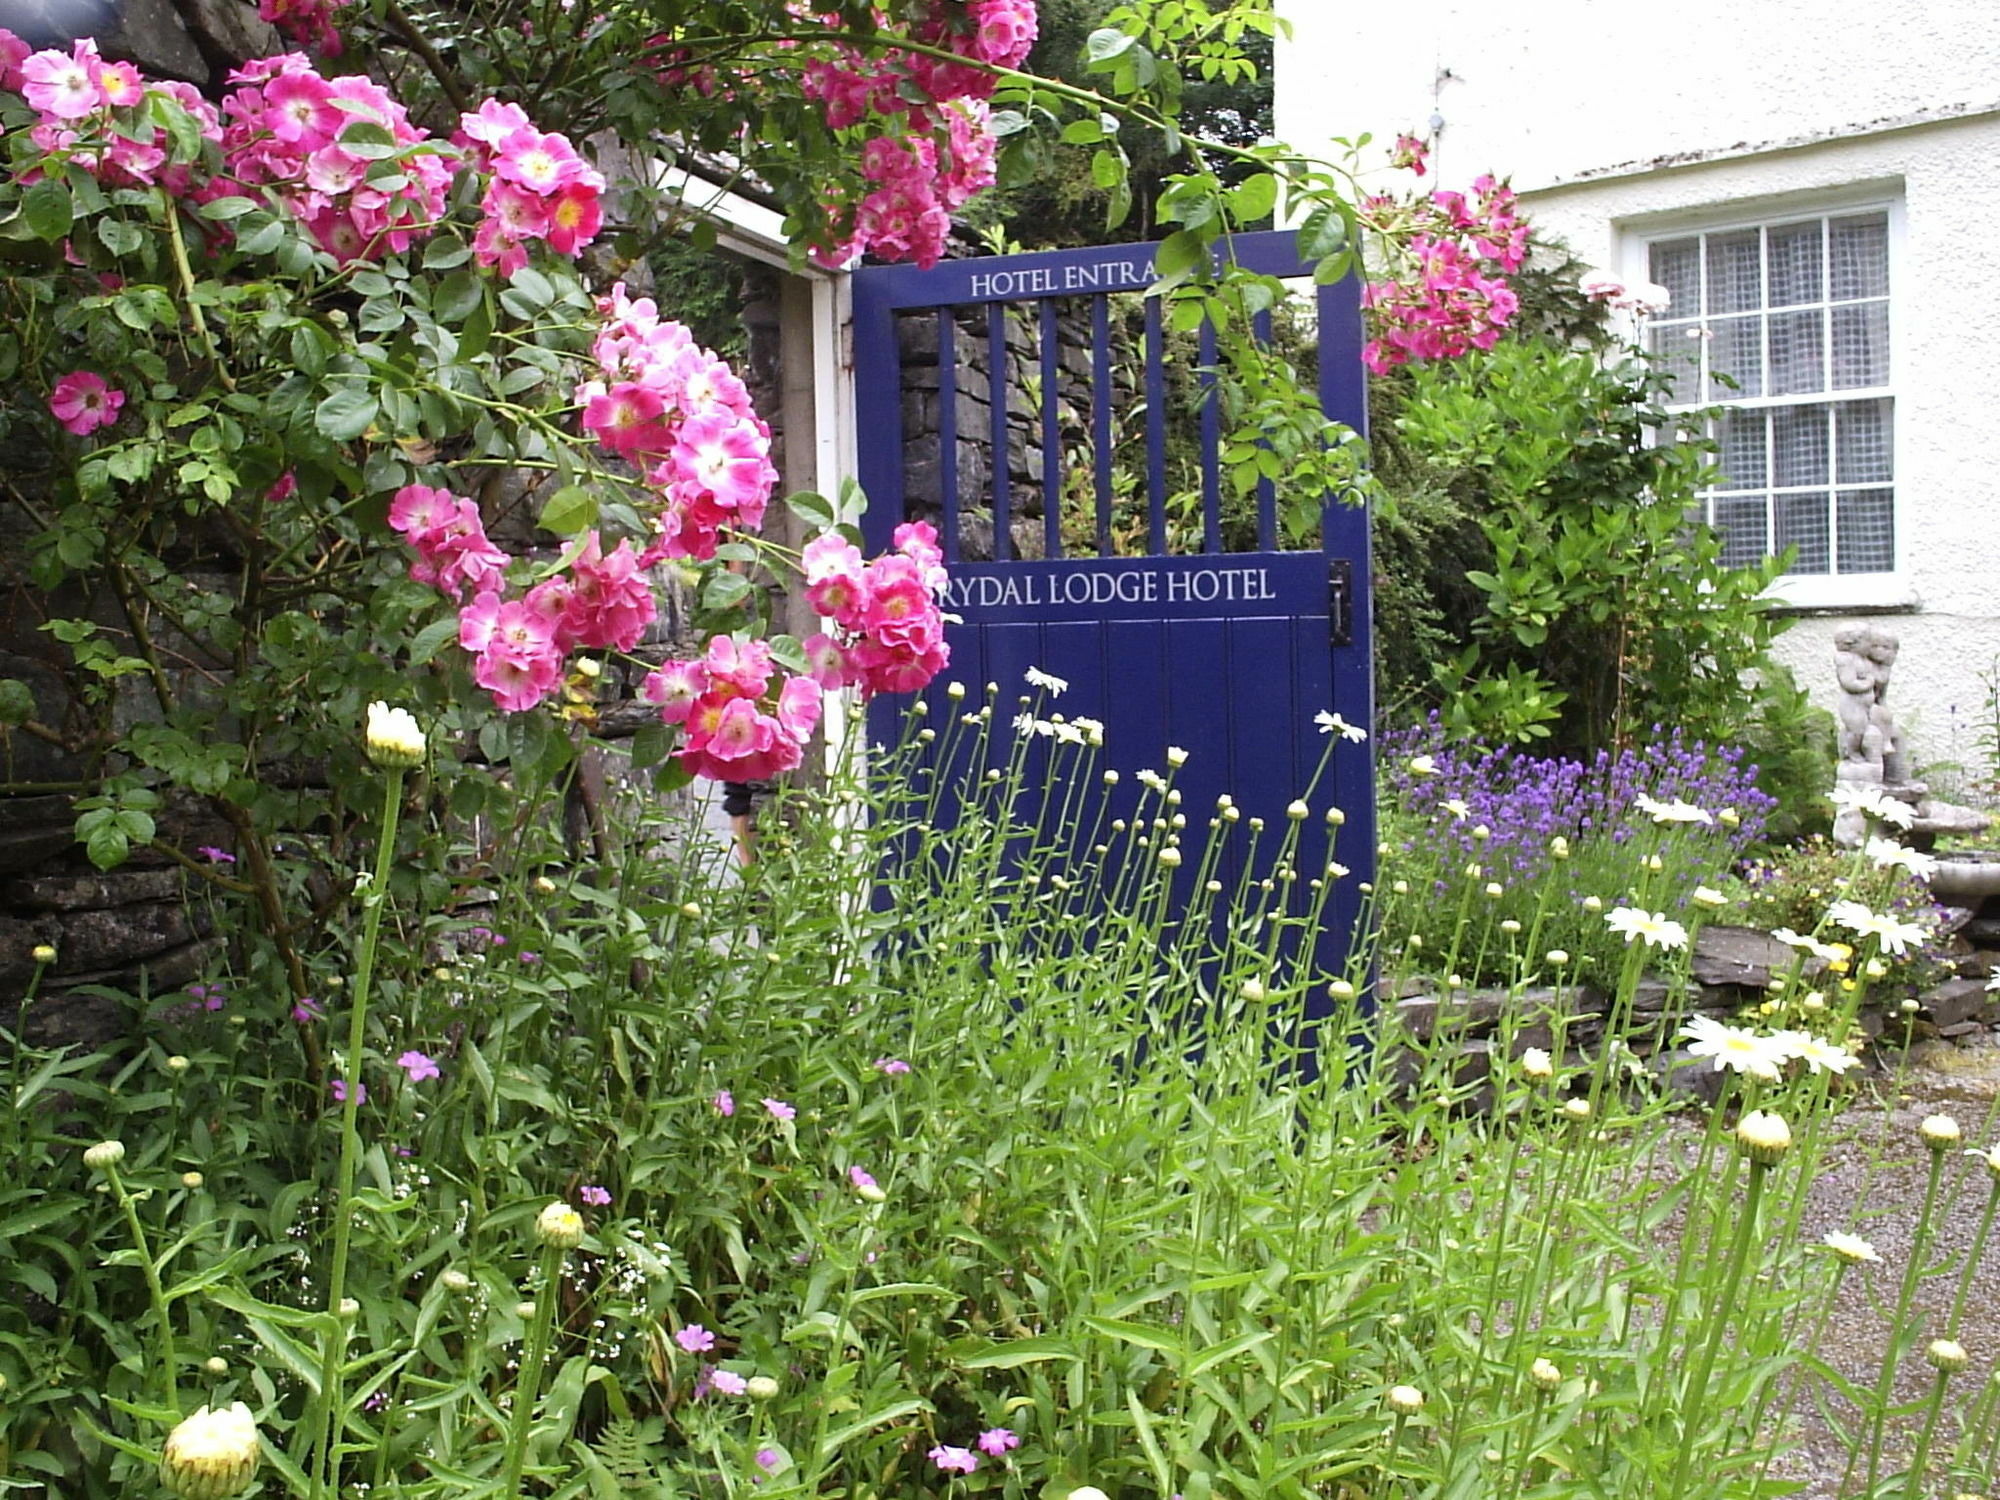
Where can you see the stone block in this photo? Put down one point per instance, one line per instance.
(1743, 956)
(50, 893)
(1956, 1001)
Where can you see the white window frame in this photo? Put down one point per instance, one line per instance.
(1892, 590)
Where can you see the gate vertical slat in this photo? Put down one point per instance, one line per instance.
(1211, 444)
(1156, 428)
(1051, 432)
(947, 353)
(996, 398)
(1100, 415)
(1267, 493)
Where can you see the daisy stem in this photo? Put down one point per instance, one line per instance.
(1972, 1259)
(528, 1387)
(1905, 1332)
(1913, 1484)
(1697, 1390)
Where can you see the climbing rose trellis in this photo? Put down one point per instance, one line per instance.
(652, 399)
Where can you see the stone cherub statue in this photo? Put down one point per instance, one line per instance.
(1872, 754)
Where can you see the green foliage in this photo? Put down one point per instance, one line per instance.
(1169, 1270)
(1603, 609)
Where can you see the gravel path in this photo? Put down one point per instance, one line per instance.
(1938, 1079)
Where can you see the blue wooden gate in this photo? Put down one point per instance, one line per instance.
(1230, 655)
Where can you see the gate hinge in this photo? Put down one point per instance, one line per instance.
(1340, 600)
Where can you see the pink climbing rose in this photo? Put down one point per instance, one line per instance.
(84, 402)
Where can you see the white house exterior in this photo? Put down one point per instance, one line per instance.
(1819, 185)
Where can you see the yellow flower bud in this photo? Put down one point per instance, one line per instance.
(44, 954)
(1763, 1137)
(1405, 1400)
(393, 738)
(212, 1454)
(560, 1226)
(1947, 1356)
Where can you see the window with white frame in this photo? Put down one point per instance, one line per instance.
(1785, 327)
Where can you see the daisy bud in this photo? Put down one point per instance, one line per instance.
(1576, 1109)
(393, 739)
(1416, 941)
(1256, 825)
(1763, 1137)
(191, 1179)
(1494, 890)
(1340, 989)
(1171, 858)
(1875, 968)
(524, 1310)
(761, 1388)
(44, 954)
(1401, 887)
(1298, 812)
(215, 1365)
(1475, 871)
(1939, 1132)
(1231, 814)
(1558, 956)
(348, 1310)
(1111, 778)
(1335, 818)
(455, 1281)
(1728, 817)
(1908, 1007)
(104, 1155)
(560, 1226)
(1253, 990)
(1814, 1001)
(1510, 927)
(1213, 887)
(1537, 1064)
(954, 689)
(1708, 896)
(177, 1064)
(544, 886)
(1654, 863)
(212, 1454)
(1481, 833)
(690, 908)
(1545, 1374)
(1947, 1356)
(1593, 904)
(1176, 757)
(1559, 847)
(1405, 1400)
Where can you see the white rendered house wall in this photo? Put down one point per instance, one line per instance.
(1620, 125)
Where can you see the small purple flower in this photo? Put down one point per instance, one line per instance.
(770, 1460)
(953, 1460)
(695, 1339)
(305, 1009)
(594, 1195)
(860, 1178)
(530, 956)
(418, 1066)
(208, 996)
(780, 1110)
(995, 1441)
(891, 1065)
(727, 1381)
(339, 1088)
(216, 856)
(725, 1103)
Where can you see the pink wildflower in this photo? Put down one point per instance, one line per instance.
(418, 1066)
(995, 1441)
(779, 1110)
(728, 1382)
(595, 1196)
(891, 1065)
(954, 1460)
(339, 1089)
(695, 1339)
(725, 1103)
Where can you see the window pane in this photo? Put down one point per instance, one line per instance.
(1795, 253)
(1676, 265)
(1858, 249)
(1743, 524)
(1735, 349)
(1861, 345)
(1798, 360)
(1742, 438)
(1679, 345)
(1735, 272)
(1867, 531)
(1802, 523)
(1798, 439)
(1864, 451)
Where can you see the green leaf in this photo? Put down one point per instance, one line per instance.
(1105, 44)
(812, 508)
(259, 236)
(456, 296)
(1254, 198)
(1011, 1356)
(724, 590)
(47, 211)
(569, 510)
(226, 208)
(1178, 255)
(345, 415)
(431, 640)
